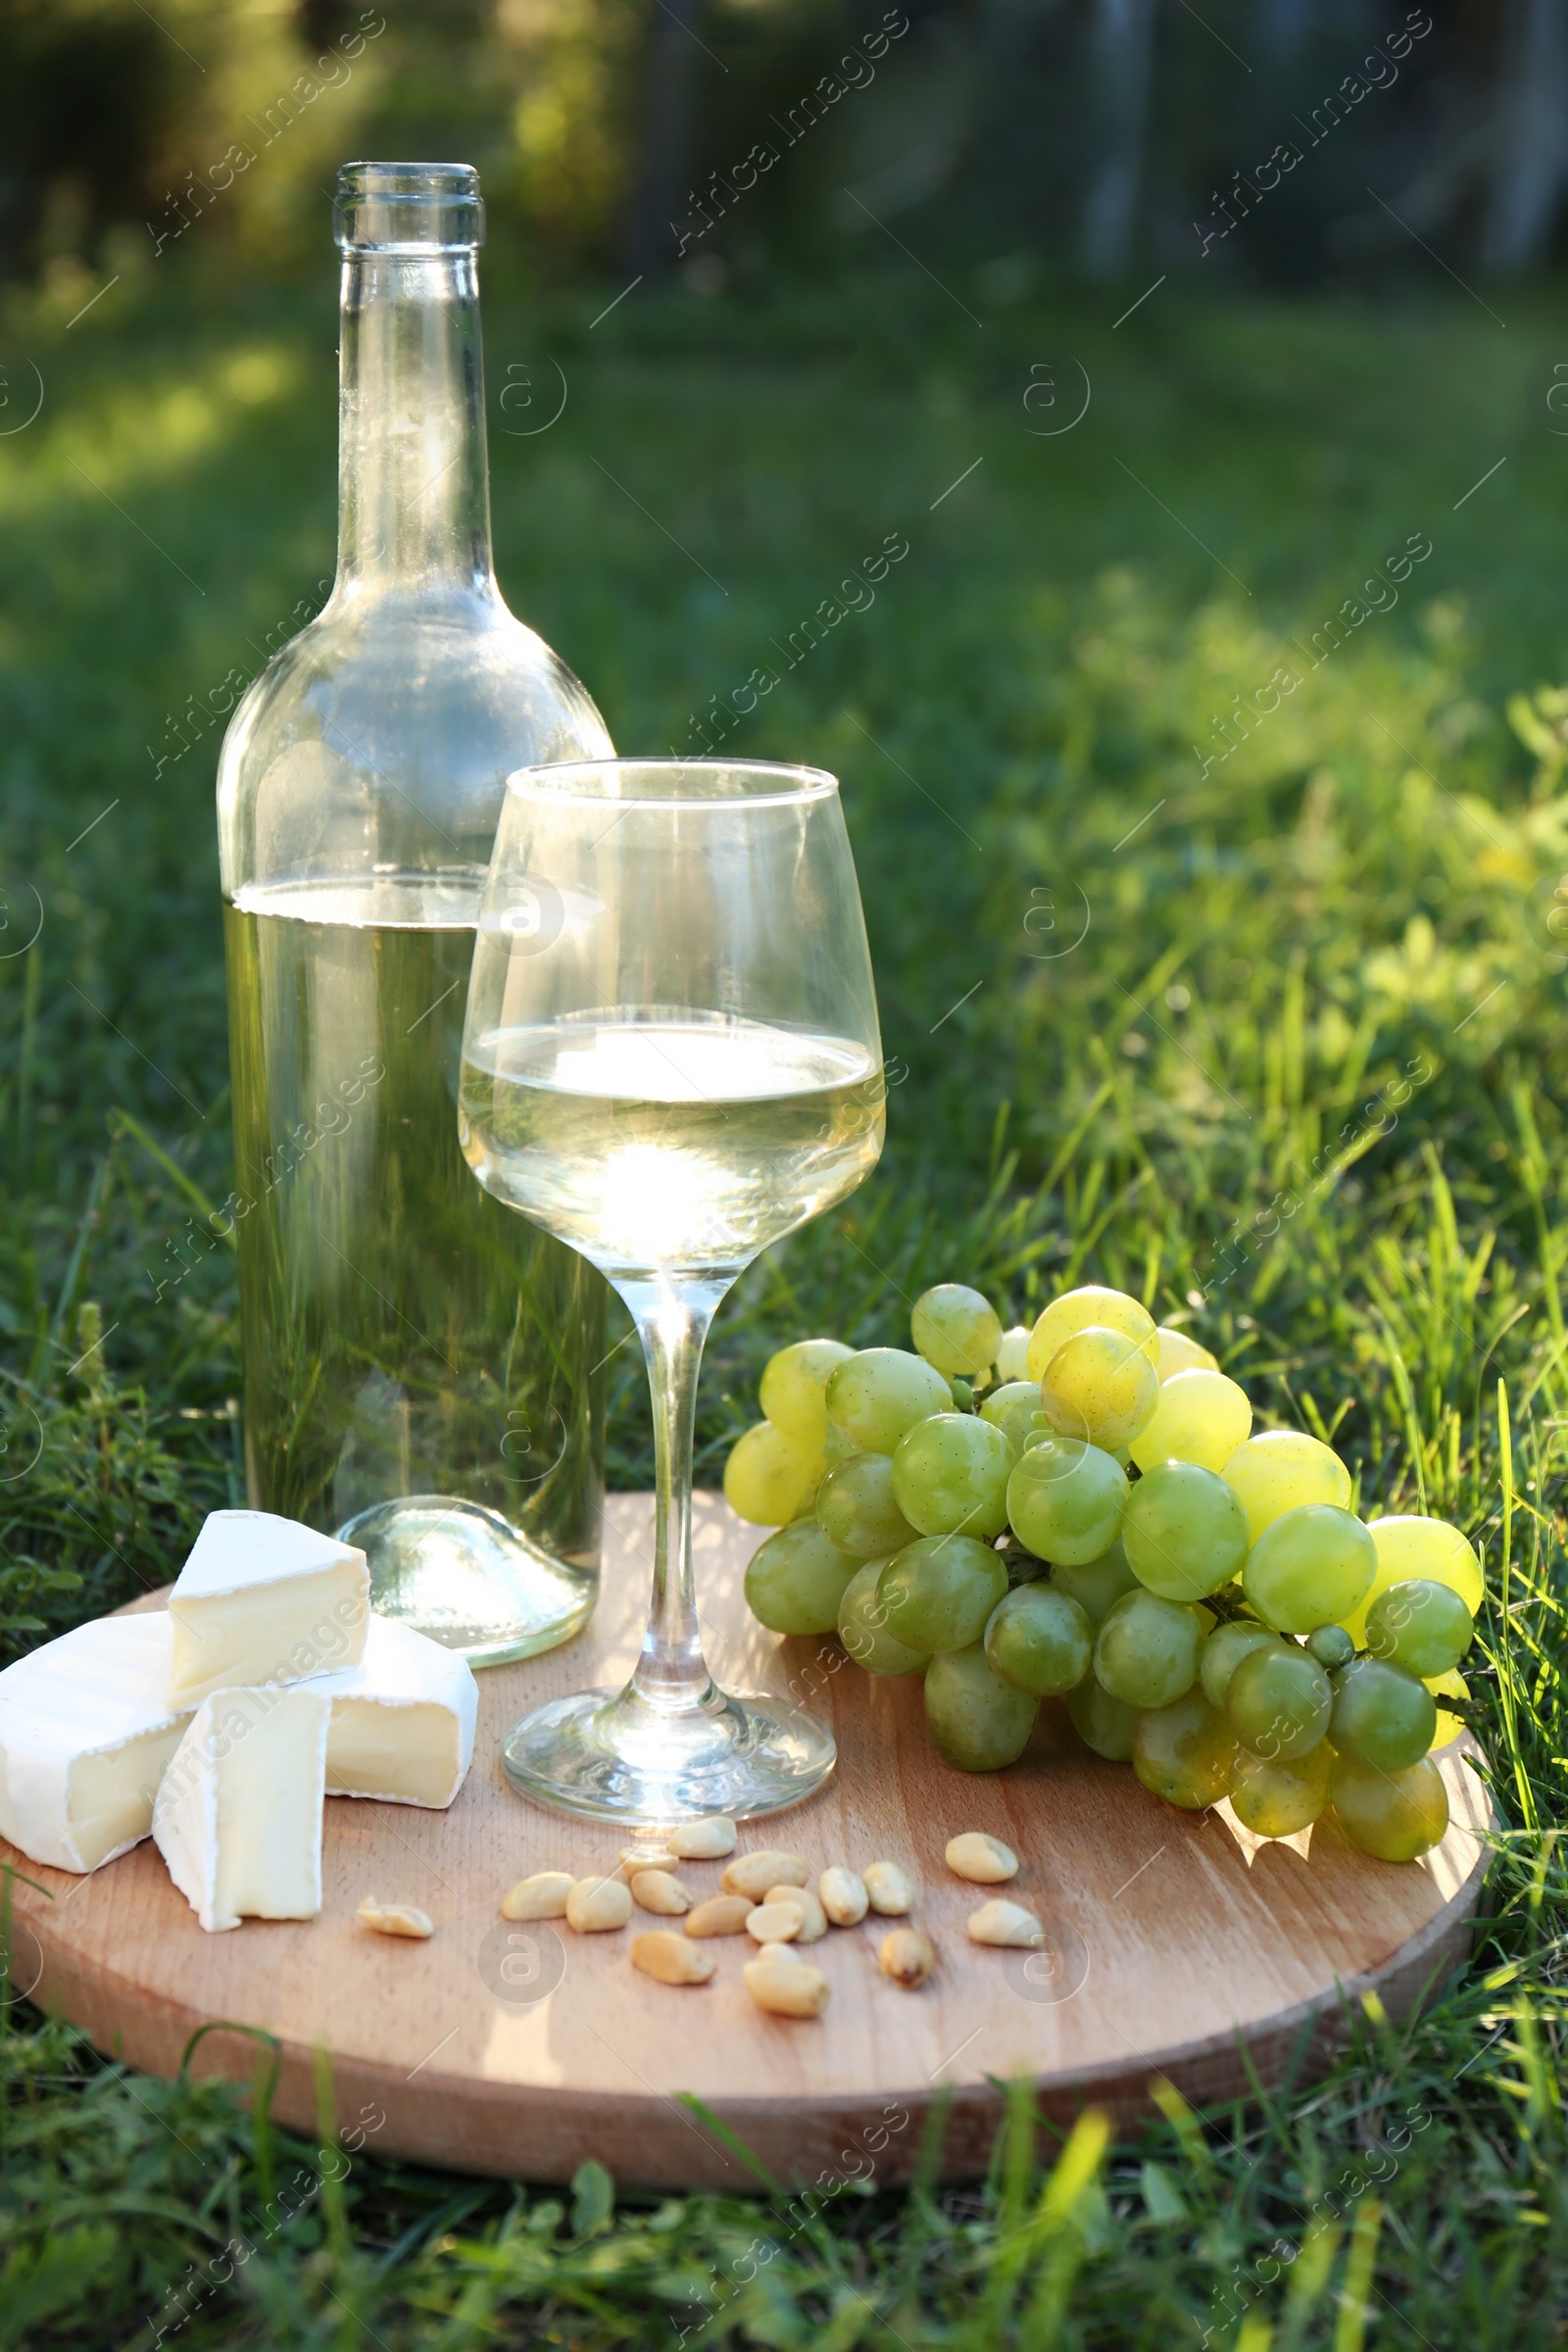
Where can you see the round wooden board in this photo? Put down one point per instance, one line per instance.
(1177, 1943)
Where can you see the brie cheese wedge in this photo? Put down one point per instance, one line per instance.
(402, 1719)
(239, 1812)
(264, 1599)
(86, 1729)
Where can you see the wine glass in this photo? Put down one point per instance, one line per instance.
(671, 1060)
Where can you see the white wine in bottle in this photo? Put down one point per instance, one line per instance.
(422, 1368)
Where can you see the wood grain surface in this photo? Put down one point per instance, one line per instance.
(1175, 1941)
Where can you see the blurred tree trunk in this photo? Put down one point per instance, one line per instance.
(1529, 151)
(1121, 46)
(663, 131)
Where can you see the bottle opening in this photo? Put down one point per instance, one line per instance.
(407, 208)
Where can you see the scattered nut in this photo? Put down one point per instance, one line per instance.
(656, 1890)
(775, 1923)
(1005, 1924)
(634, 1858)
(703, 1841)
(905, 1956)
(814, 1919)
(543, 1897)
(888, 1890)
(663, 1954)
(843, 1897)
(781, 1951)
(720, 1915)
(985, 1860)
(754, 1873)
(595, 1904)
(394, 1918)
(787, 1988)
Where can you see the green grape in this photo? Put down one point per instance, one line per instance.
(1096, 1585)
(1099, 1385)
(1408, 1547)
(1075, 1312)
(863, 1628)
(793, 1389)
(796, 1581)
(1280, 1471)
(1274, 1799)
(975, 1721)
(1450, 1725)
(1185, 1752)
(1201, 1417)
(1398, 1816)
(1102, 1722)
(1012, 1353)
(1227, 1646)
(1065, 1501)
(839, 1447)
(1015, 1410)
(1331, 1646)
(949, 1476)
(1039, 1640)
(1383, 1716)
(1309, 1567)
(1420, 1624)
(1279, 1700)
(937, 1593)
(1184, 1532)
(881, 1393)
(957, 1329)
(1179, 1353)
(1146, 1652)
(769, 1479)
(857, 1509)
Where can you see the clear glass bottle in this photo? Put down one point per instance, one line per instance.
(421, 1367)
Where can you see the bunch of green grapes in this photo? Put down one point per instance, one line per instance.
(1081, 1512)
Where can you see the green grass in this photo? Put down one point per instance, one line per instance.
(1299, 1083)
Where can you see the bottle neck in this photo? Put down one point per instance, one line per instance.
(414, 487)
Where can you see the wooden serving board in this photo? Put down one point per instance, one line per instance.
(1176, 1942)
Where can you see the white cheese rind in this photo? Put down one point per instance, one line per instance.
(264, 1599)
(238, 1814)
(86, 1729)
(403, 1720)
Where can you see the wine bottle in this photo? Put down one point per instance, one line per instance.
(421, 1367)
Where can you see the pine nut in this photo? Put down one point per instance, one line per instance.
(781, 1951)
(905, 1956)
(787, 1988)
(774, 1923)
(656, 1890)
(754, 1873)
(634, 1858)
(1005, 1924)
(720, 1915)
(981, 1858)
(394, 1918)
(595, 1904)
(543, 1897)
(663, 1954)
(703, 1841)
(814, 1919)
(888, 1890)
(843, 1897)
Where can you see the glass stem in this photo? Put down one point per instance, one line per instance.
(672, 1322)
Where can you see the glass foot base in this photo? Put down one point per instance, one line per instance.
(612, 1757)
(467, 1578)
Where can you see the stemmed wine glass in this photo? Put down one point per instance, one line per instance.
(672, 1059)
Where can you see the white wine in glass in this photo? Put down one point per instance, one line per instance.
(672, 1059)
